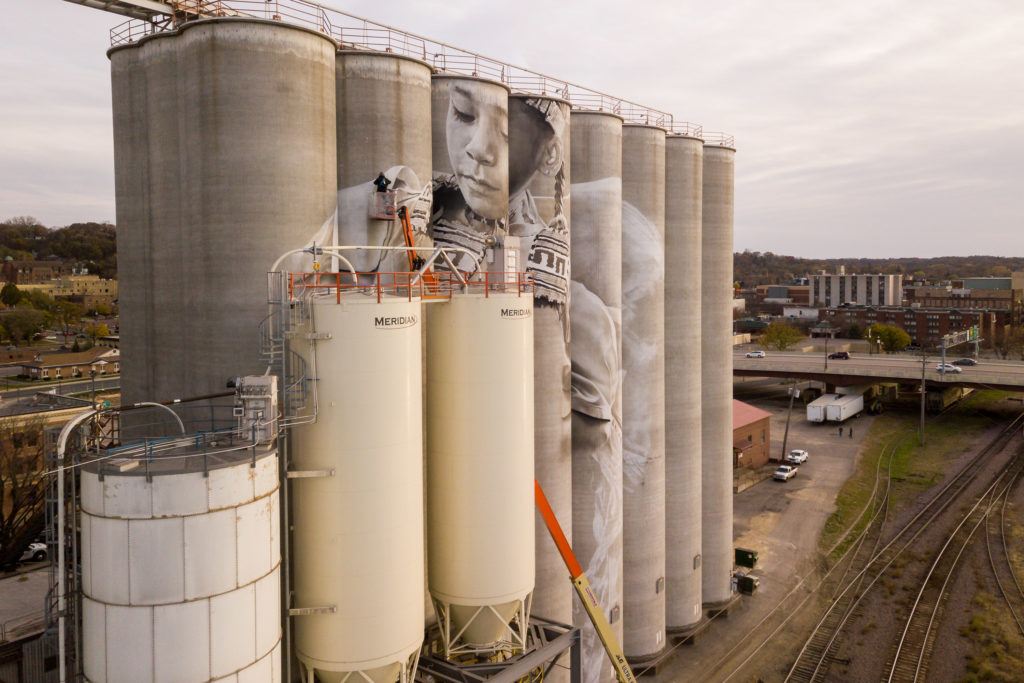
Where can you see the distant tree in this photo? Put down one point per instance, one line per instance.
(854, 332)
(780, 336)
(891, 338)
(10, 295)
(67, 315)
(21, 487)
(1011, 344)
(24, 323)
(40, 300)
(102, 308)
(96, 330)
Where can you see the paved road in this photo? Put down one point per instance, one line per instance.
(898, 368)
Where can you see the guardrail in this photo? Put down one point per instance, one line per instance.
(22, 625)
(406, 285)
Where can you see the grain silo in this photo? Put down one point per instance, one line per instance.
(539, 215)
(383, 102)
(480, 467)
(684, 154)
(469, 117)
(181, 567)
(224, 154)
(643, 391)
(716, 373)
(596, 353)
(357, 485)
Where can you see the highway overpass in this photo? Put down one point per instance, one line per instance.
(865, 369)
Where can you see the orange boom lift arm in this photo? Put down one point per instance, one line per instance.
(583, 589)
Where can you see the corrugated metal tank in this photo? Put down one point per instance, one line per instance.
(181, 574)
(596, 353)
(224, 157)
(358, 535)
(684, 159)
(643, 391)
(383, 119)
(716, 373)
(480, 462)
(539, 213)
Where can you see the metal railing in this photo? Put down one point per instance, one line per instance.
(406, 285)
(720, 140)
(358, 33)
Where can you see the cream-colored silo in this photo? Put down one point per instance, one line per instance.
(357, 489)
(181, 568)
(480, 467)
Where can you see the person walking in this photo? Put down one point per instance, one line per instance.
(840, 432)
(851, 432)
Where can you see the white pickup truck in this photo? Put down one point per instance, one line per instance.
(785, 472)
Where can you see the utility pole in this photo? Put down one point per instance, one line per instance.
(785, 434)
(924, 360)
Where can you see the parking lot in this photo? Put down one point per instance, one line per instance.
(781, 521)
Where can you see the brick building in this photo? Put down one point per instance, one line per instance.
(751, 435)
(926, 326)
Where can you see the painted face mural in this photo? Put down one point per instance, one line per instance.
(477, 134)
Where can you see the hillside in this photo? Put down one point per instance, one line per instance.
(91, 244)
(765, 268)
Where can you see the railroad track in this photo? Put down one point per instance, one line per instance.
(909, 662)
(999, 559)
(816, 655)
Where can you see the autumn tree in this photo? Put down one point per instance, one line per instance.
(23, 323)
(780, 336)
(67, 315)
(10, 295)
(892, 339)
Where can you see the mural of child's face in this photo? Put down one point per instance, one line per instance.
(477, 133)
(530, 140)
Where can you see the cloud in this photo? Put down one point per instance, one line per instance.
(895, 122)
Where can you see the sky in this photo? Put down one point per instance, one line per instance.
(876, 128)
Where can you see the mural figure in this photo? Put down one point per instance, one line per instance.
(356, 227)
(471, 202)
(537, 129)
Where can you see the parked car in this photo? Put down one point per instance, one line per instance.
(755, 354)
(797, 457)
(784, 473)
(947, 367)
(965, 361)
(839, 355)
(34, 552)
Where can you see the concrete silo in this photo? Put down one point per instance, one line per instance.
(469, 117)
(224, 154)
(643, 391)
(539, 215)
(684, 157)
(383, 126)
(480, 468)
(716, 373)
(357, 487)
(181, 568)
(596, 353)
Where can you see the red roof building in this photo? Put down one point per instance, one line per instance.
(751, 435)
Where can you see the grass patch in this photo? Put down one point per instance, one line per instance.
(995, 646)
(915, 468)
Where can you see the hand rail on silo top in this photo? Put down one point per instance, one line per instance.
(354, 32)
(719, 140)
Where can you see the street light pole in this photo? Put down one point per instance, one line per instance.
(92, 379)
(826, 353)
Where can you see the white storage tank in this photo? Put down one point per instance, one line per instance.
(181, 569)
(357, 506)
(480, 505)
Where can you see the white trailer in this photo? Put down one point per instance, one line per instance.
(844, 407)
(816, 408)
